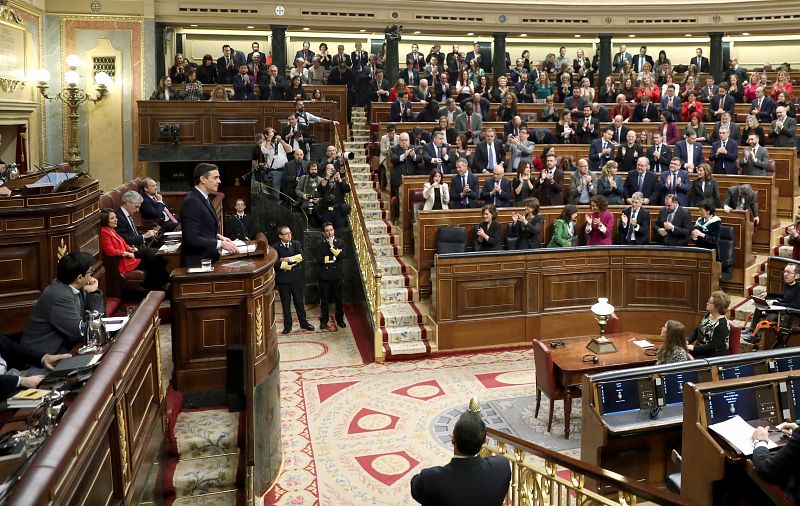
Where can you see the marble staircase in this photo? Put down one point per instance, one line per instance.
(402, 324)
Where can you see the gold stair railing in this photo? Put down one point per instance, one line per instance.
(368, 266)
(541, 485)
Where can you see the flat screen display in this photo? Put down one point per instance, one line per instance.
(787, 363)
(727, 404)
(673, 385)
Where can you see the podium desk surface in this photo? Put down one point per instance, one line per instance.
(570, 365)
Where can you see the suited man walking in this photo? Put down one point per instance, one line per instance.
(468, 478)
(488, 153)
(724, 153)
(54, 324)
(634, 222)
(289, 279)
(330, 275)
(463, 187)
(674, 223)
(199, 226)
(754, 158)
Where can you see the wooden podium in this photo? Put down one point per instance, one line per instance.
(38, 226)
(233, 305)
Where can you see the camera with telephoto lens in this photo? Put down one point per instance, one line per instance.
(347, 154)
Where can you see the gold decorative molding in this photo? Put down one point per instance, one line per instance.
(259, 325)
(123, 443)
(8, 14)
(157, 345)
(62, 249)
(10, 85)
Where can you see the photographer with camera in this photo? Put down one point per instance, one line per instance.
(292, 173)
(331, 190)
(297, 135)
(306, 191)
(269, 158)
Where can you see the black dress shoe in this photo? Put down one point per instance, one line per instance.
(287, 331)
(306, 326)
(341, 324)
(323, 325)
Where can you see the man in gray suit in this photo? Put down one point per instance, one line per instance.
(521, 149)
(451, 110)
(54, 324)
(754, 158)
(741, 198)
(783, 129)
(469, 124)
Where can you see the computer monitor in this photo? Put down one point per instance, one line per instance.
(784, 364)
(750, 403)
(743, 370)
(626, 395)
(793, 398)
(673, 385)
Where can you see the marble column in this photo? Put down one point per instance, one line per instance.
(499, 54)
(605, 57)
(279, 47)
(391, 62)
(715, 60)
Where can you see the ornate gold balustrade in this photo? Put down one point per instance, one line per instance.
(368, 266)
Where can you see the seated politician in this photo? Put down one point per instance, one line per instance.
(468, 479)
(22, 368)
(54, 324)
(711, 336)
(113, 245)
(783, 466)
(154, 207)
(707, 227)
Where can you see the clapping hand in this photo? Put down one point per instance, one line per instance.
(624, 218)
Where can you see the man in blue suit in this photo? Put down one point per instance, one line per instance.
(671, 104)
(468, 478)
(762, 106)
(602, 150)
(724, 153)
(463, 187)
(401, 108)
(243, 85)
(676, 182)
(497, 189)
(199, 227)
(689, 151)
(228, 65)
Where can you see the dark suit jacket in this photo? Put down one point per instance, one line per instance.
(332, 270)
(308, 56)
(725, 164)
(54, 324)
(732, 200)
(493, 231)
(359, 61)
(661, 163)
(509, 128)
(765, 114)
(502, 199)
(406, 167)
(475, 481)
(401, 112)
(650, 188)
(639, 113)
(199, 227)
(551, 192)
(679, 190)
(710, 193)
(243, 228)
(640, 235)
(727, 105)
(587, 135)
(781, 467)
(682, 221)
(429, 152)
(481, 158)
(337, 58)
(225, 74)
(647, 58)
(242, 91)
(596, 157)
(456, 187)
(296, 274)
(620, 134)
(702, 65)
(682, 152)
(124, 229)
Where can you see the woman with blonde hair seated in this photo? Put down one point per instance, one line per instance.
(219, 94)
(609, 184)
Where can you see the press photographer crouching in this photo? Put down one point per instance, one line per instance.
(307, 195)
(331, 191)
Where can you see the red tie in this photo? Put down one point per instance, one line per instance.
(170, 216)
(759, 104)
(469, 125)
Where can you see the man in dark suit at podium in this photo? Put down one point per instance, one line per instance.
(330, 276)
(199, 230)
(468, 478)
(54, 323)
(289, 279)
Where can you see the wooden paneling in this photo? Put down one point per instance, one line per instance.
(429, 222)
(233, 122)
(502, 298)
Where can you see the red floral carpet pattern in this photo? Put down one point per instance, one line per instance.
(356, 435)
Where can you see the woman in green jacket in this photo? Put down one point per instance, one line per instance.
(564, 234)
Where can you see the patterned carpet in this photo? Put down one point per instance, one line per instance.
(357, 434)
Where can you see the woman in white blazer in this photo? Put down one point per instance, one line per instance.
(435, 192)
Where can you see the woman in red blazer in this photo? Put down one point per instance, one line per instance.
(114, 245)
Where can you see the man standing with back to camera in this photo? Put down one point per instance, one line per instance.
(200, 238)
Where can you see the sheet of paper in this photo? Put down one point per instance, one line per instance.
(243, 248)
(114, 324)
(643, 343)
(170, 235)
(738, 433)
(200, 269)
(170, 248)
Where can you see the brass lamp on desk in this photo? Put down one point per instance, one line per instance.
(602, 312)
